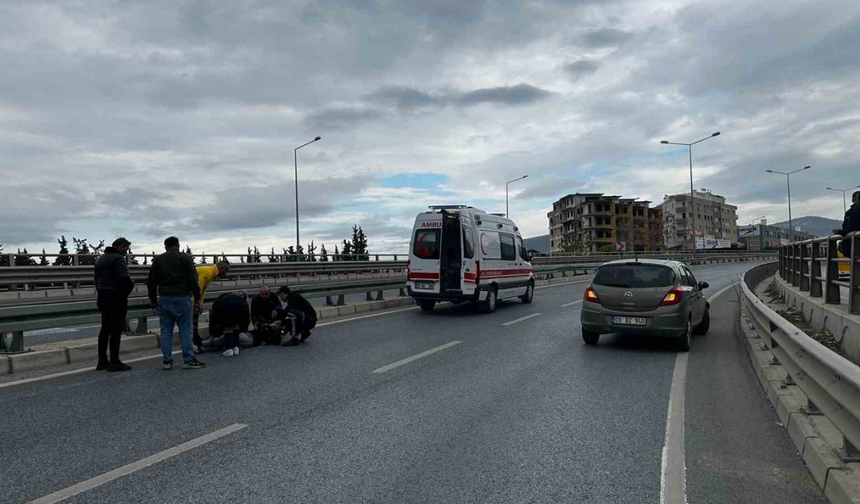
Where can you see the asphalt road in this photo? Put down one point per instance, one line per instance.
(522, 412)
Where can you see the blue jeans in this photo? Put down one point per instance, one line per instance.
(175, 311)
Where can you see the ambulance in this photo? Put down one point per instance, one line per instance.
(459, 253)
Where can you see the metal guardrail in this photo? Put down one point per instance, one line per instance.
(16, 318)
(65, 276)
(831, 382)
(687, 256)
(814, 266)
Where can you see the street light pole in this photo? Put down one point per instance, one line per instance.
(506, 192)
(692, 192)
(843, 191)
(296, 161)
(788, 185)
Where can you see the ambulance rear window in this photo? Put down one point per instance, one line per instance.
(426, 244)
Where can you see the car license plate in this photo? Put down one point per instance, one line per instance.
(619, 320)
(424, 285)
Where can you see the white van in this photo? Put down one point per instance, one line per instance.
(459, 253)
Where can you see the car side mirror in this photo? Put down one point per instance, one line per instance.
(703, 285)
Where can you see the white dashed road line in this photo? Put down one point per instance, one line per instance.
(517, 321)
(415, 357)
(136, 466)
(571, 304)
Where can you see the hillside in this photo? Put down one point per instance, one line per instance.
(819, 226)
(538, 243)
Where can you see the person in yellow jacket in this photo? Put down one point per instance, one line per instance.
(206, 274)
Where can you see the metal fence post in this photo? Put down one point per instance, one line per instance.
(804, 268)
(815, 272)
(328, 301)
(781, 266)
(831, 290)
(795, 265)
(854, 279)
(849, 453)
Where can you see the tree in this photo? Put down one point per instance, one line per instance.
(189, 252)
(323, 253)
(43, 260)
(291, 254)
(4, 260)
(203, 257)
(359, 244)
(63, 260)
(98, 249)
(312, 250)
(336, 254)
(23, 260)
(273, 258)
(346, 252)
(257, 256)
(300, 253)
(82, 248)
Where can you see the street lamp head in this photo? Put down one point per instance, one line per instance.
(807, 167)
(769, 171)
(317, 138)
(832, 189)
(664, 141)
(525, 176)
(716, 134)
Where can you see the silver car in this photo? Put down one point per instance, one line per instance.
(645, 297)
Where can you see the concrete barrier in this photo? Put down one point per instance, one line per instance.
(30, 361)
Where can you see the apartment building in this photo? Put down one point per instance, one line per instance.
(715, 221)
(762, 237)
(594, 222)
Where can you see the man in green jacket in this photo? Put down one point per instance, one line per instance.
(172, 283)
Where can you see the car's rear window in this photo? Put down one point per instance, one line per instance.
(634, 276)
(426, 244)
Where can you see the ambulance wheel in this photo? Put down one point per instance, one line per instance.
(489, 304)
(529, 295)
(427, 305)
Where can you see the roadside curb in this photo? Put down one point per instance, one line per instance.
(840, 482)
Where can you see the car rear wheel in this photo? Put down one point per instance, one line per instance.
(427, 305)
(489, 304)
(705, 324)
(684, 339)
(589, 337)
(529, 295)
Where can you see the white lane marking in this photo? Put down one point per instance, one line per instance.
(333, 322)
(517, 321)
(136, 466)
(724, 289)
(77, 371)
(415, 357)
(673, 478)
(571, 304)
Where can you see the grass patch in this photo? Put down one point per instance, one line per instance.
(822, 336)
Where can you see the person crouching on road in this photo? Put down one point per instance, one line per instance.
(297, 313)
(206, 274)
(172, 284)
(113, 285)
(264, 314)
(229, 316)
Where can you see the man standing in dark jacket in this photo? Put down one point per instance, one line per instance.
(172, 284)
(850, 224)
(113, 285)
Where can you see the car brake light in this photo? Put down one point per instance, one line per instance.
(673, 297)
(590, 295)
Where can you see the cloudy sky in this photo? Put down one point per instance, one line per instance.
(180, 117)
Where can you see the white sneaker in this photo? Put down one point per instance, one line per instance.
(228, 353)
(235, 350)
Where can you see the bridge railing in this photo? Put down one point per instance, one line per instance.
(54, 312)
(815, 266)
(830, 382)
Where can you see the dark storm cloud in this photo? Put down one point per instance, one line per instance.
(581, 68)
(340, 118)
(604, 37)
(405, 98)
(521, 94)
